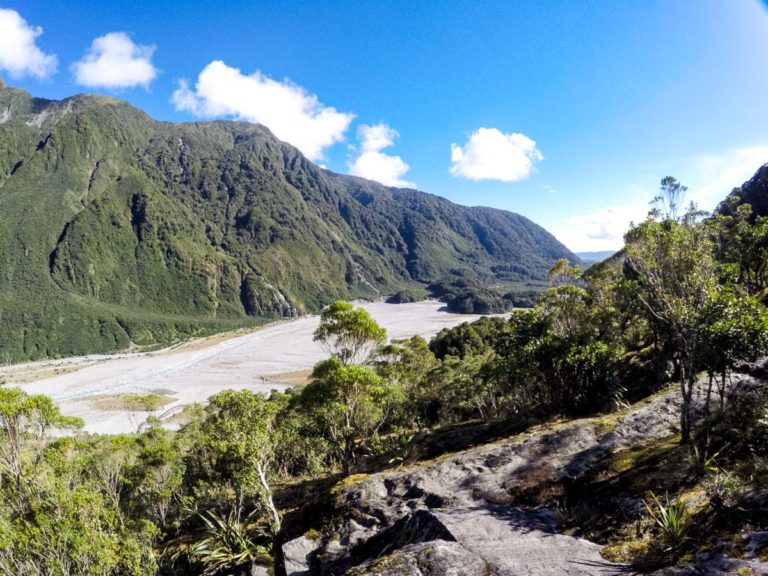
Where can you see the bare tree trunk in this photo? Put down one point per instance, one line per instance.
(349, 452)
(721, 389)
(268, 497)
(709, 391)
(239, 497)
(686, 389)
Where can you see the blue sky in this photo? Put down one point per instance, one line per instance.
(566, 112)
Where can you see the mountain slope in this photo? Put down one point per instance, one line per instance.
(753, 192)
(118, 229)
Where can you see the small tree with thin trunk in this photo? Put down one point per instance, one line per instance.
(349, 333)
(674, 269)
(239, 427)
(734, 328)
(669, 199)
(350, 404)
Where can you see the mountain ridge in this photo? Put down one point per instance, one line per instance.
(118, 229)
(753, 192)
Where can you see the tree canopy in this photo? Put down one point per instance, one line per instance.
(349, 332)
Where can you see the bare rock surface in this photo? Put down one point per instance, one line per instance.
(718, 565)
(516, 543)
(298, 554)
(467, 498)
(436, 558)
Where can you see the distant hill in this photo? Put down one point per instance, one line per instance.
(590, 257)
(116, 229)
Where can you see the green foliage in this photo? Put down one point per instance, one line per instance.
(414, 294)
(741, 244)
(701, 461)
(403, 447)
(671, 516)
(237, 441)
(467, 294)
(734, 328)
(62, 503)
(725, 490)
(562, 273)
(348, 332)
(226, 544)
(674, 271)
(349, 403)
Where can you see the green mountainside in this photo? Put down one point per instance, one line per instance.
(116, 229)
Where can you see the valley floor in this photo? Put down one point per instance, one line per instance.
(276, 356)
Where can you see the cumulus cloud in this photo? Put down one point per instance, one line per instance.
(489, 154)
(288, 110)
(114, 61)
(374, 164)
(19, 54)
(603, 228)
(709, 177)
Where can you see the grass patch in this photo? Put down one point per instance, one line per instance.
(350, 480)
(643, 455)
(131, 402)
(607, 423)
(296, 378)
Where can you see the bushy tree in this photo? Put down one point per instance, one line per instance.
(741, 248)
(59, 516)
(348, 332)
(674, 269)
(350, 404)
(25, 424)
(734, 328)
(237, 437)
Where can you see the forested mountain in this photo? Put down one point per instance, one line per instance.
(118, 229)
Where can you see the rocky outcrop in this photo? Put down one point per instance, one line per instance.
(466, 501)
(436, 558)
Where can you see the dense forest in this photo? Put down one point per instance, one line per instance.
(684, 297)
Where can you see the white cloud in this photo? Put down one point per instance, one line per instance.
(709, 177)
(602, 229)
(375, 164)
(489, 154)
(19, 53)
(114, 61)
(288, 110)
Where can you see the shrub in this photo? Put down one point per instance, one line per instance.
(671, 516)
